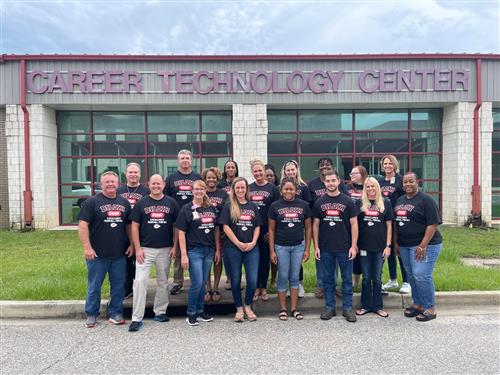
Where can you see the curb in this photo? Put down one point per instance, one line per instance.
(74, 309)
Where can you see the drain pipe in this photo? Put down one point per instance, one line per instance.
(27, 193)
(476, 188)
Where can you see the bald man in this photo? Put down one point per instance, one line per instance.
(155, 242)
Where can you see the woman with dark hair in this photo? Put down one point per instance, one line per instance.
(198, 236)
(228, 175)
(262, 193)
(419, 243)
(241, 220)
(217, 197)
(392, 187)
(289, 242)
(271, 174)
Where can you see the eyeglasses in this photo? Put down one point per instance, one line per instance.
(199, 189)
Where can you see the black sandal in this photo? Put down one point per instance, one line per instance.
(412, 312)
(283, 316)
(425, 316)
(297, 315)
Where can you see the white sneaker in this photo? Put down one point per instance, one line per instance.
(302, 292)
(405, 288)
(390, 284)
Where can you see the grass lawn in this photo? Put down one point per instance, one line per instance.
(44, 265)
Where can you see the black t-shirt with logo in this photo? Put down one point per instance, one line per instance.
(180, 186)
(317, 189)
(289, 217)
(224, 185)
(132, 194)
(107, 218)
(217, 199)
(263, 196)
(303, 193)
(199, 225)
(246, 224)
(392, 188)
(156, 218)
(372, 226)
(412, 216)
(334, 214)
(354, 191)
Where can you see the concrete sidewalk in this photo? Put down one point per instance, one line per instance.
(75, 308)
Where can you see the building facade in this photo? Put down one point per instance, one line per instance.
(66, 119)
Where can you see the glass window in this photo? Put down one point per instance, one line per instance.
(323, 120)
(214, 162)
(381, 120)
(282, 121)
(166, 166)
(173, 122)
(118, 122)
(430, 186)
(171, 144)
(372, 164)
(75, 170)
(73, 122)
(425, 166)
(282, 143)
(117, 165)
(495, 165)
(74, 145)
(429, 119)
(316, 143)
(425, 141)
(119, 144)
(70, 208)
(387, 142)
(216, 122)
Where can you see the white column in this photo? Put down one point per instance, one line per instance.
(249, 135)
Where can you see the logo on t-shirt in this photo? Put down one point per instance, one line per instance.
(157, 215)
(185, 188)
(113, 213)
(402, 211)
(388, 190)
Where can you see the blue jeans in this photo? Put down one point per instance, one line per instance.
(371, 287)
(96, 273)
(393, 267)
(319, 274)
(200, 262)
(329, 260)
(264, 263)
(420, 273)
(289, 262)
(234, 258)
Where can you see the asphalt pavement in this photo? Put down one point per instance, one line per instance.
(465, 341)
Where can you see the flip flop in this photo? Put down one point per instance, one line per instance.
(382, 313)
(361, 312)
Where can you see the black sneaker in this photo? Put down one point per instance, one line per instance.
(135, 326)
(327, 314)
(349, 315)
(192, 320)
(176, 289)
(205, 317)
(162, 318)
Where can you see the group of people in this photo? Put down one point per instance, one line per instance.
(265, 227)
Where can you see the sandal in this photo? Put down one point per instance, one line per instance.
(319, 293)
(265, 296)
(239, 317)
(216, 297)
(411, 312)
(283, 316)
(382, 313)
(208, 296)
(361, 312)
(256, 297)
(426, 316)
(250, 315)
(297, 315)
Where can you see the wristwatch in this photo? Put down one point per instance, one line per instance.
(389, 246)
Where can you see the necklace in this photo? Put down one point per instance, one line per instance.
(132, 192)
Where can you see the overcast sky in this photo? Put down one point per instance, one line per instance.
(249, 27)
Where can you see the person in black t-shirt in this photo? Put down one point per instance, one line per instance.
(262, 193)
(354, 189)
(374, 243)
(291, 169)
(179, 185)
(271, 176)
(392, 187)
(153, 219)
(335, 233)
(103, 228)
(132, 191)
(289, 224)
(217, 198)
(241, 220)
(419, 243)
(198, 237)
(229, 174)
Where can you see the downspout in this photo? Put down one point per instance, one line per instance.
(476, 188)
(27, 194)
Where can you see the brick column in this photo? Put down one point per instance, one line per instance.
(249, 135)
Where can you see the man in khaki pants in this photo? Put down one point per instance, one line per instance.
(155, 242)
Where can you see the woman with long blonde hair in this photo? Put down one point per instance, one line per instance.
(241, 222)
(374, 244)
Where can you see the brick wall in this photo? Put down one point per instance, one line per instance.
(4, 185)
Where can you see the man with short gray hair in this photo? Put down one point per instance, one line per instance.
(179, 185)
